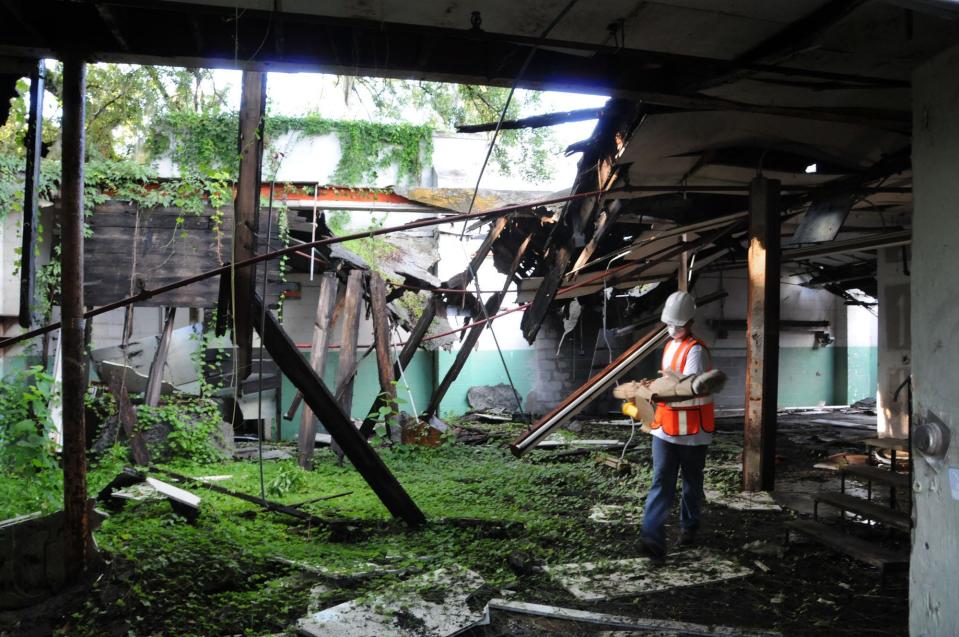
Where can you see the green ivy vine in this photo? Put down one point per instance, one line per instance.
(206, 143)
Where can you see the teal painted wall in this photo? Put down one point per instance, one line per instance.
(485, 368)
(836, 375)
(806, 376)
(862, 373)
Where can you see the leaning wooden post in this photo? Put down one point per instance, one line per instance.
(246, 208)
(151, 395)
(381, 339)
(76, 522)
(338, 423)
(346, 369)
(762, 336)
(322, 328)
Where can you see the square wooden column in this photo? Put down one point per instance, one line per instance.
(762, 336)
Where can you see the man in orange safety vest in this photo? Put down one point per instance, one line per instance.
(681, 433)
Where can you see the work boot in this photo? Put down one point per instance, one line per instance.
(647, 549)
(687, 537)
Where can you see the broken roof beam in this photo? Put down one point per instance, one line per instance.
(534, 121)
(595, 173)
(337, 423)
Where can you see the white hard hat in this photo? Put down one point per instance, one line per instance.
(679, 309)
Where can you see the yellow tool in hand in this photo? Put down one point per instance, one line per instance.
(630, 409)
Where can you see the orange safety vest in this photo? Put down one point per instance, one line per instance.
(687, 417)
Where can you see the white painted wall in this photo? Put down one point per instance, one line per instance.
(933, 572)
(456, 163)
(895, 356)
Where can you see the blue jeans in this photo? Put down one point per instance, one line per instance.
(667, 460)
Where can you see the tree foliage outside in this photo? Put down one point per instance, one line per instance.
(526, 153)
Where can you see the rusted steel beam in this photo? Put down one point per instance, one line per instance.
(322, 328)
(599, 383)
(76, 519)
(338, 423)
(346, 369)
(227, 269)
(246, 211)
(31, 202)
(762, 336)
(151, 395)
(381, 340)
(596, 172)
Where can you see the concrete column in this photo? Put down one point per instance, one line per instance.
(933, 593)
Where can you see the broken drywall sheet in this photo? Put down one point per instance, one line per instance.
(745, 501)
(433, 604)
(596, 581)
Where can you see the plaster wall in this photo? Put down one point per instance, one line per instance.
(933, 593)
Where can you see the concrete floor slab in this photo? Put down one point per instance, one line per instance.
(433, 604)
(596, 581)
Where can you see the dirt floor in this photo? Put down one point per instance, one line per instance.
(240, 570)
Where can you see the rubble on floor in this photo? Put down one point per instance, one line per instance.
(433, 604)
(743, 501)
(597, 581)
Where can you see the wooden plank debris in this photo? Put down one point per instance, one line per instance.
(151, 396)
(534, 121)
(322, 328)
(336, 421)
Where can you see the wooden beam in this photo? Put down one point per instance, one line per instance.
(346, 369)
(336, 421)
(534, 121)
(151, 395)
(466, 347)
(76, 518)
(246, 211)
(381, 339)
(31, 202)
(322, 328)
(762, 341)
(403, 360)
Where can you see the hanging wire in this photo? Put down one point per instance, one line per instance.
(489, 151)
